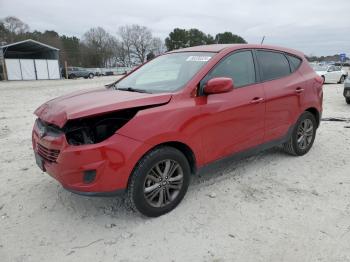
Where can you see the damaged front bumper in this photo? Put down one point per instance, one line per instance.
(93, 169)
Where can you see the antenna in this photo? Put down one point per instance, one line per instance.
(262, 41)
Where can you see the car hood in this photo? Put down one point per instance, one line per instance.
(93, 102)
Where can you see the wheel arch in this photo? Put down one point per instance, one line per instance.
(316, 114)
(182, 147)
(186, 150)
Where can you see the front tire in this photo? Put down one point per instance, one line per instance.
(159, 181)
(303, 135)
(347, 100)
(341, 80)
(91, 76)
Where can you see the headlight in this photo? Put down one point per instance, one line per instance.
(47, 129)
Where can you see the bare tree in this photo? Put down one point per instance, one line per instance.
(14, 28)
(15, 25)
(158, 46)
(125, 33)
(137, 41)
(121, 54)
(101, 46)
(141, 38)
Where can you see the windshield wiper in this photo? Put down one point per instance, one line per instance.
(131, 89)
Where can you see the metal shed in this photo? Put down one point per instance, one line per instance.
(29, 60)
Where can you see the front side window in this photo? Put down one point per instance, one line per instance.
(166, 73)
(331, 69)
(273, 65)
(238, 66)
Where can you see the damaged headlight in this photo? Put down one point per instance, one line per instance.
(45, 129)
(96, 129)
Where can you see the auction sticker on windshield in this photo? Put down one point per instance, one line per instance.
(194, 58)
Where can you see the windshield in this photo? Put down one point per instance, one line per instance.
(165, 73)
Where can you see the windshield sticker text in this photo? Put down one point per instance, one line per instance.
(198, 58)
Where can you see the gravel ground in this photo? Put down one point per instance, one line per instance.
(268, 207)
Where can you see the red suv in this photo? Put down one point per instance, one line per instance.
(149, 131)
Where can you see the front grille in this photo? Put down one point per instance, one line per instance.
(49, 155)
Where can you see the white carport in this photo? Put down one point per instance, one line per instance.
(29, 60)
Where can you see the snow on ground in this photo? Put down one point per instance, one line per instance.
(268, 207)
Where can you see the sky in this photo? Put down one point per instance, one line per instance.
(317, 27)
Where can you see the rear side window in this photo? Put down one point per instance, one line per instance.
(273, 65)
(238, 66)
(294, 62)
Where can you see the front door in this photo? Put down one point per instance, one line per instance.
(233, 121)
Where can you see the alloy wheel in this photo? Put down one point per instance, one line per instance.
(163, 183)
(305, 134)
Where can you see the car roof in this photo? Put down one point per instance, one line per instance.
(216, 48)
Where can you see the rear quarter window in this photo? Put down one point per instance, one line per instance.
(294, 62)
(273, 65)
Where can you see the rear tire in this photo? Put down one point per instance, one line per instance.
(303, 135)
(347, 100)
(159, 181)
(91, 76)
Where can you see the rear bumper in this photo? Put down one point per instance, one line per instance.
(112, 162)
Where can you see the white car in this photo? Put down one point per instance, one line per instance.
(331, 74)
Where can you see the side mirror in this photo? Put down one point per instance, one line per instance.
(218, 85)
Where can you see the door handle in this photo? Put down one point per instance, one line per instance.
(257, 100)
(299, 90)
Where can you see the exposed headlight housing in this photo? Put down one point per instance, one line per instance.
(95, 129)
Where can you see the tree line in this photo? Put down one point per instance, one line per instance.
(181, 38)
(130, 45)
(330, 58)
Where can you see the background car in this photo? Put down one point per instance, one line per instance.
(331, 74)
(107, 72)
(96, 71)
(347, 90)
(75, 72)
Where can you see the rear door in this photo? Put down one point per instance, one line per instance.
(233, 121)
(284, 87)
